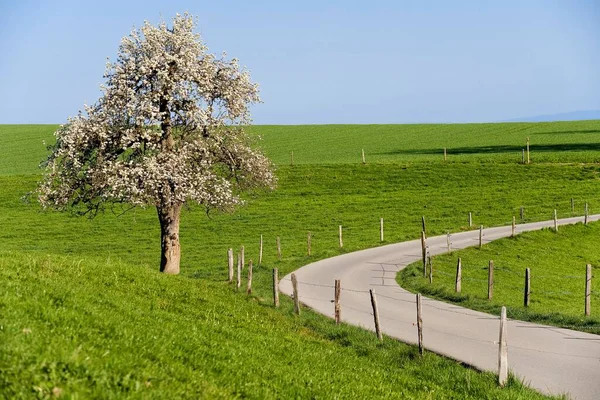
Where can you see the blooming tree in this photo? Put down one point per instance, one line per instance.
(168, 130)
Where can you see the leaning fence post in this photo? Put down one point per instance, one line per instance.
(420, 323)
(341, 239)
(249, 289)
(423, 223)
(490, 279)
(585, 218)
(275, 287)
(230, 265)
(555, 222)
(502, 350)
(336, 301)
(527, 291)
(424, 253)
(588, 289)
(514, 226)
(375, 314)
(363, 157)
(296, 298)
(470, 219)
(480, 236)
(381, 229)
(458, 276)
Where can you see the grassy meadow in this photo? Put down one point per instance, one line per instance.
(84, 311)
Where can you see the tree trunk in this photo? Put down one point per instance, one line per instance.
(170, 250)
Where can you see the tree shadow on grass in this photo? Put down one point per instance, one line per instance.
(594, 131)
(500, 149)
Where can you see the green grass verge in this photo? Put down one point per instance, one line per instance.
(557, 261)
(110, 330)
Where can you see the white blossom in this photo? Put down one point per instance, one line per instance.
(168, 129)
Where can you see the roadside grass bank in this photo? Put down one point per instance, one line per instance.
(74, 327)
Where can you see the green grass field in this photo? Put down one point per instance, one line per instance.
(85, 287)
(498, 143)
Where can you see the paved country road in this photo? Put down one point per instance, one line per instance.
(552, 360)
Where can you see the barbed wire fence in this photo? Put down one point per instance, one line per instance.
(418, 320)
(405, 297)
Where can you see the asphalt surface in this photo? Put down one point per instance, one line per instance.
(552, 360)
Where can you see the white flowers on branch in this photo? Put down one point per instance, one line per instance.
(168, 129)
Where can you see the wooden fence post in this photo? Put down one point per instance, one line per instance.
(278, 248)
(572, 206)
(275, 287)
(522, 156)
(555, 222)
(448, 243)
(445, 155)
(376, 314)
(249, 289)
(341, 238)
(490, 279)
(239, 271)
(260, 251)
(588, 289)
(308, 244)
(528, 160)
(230, 265)
(514, 226)
(424, 253)
(336, 301)
(292, 158)
(458, 284)
(470, 219)
(585, 218)
(381, 229)
(522, 213)
(527, 287)
(363, 157)
(420, 323)
(502, 350)
(480, 236)
(296, 296)
(423, 223)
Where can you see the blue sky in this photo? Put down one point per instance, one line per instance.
(325, 61)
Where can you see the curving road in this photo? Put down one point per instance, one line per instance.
(552, 360)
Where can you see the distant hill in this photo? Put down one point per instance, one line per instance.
(568, 116)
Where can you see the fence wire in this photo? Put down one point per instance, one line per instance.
(440, 306)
